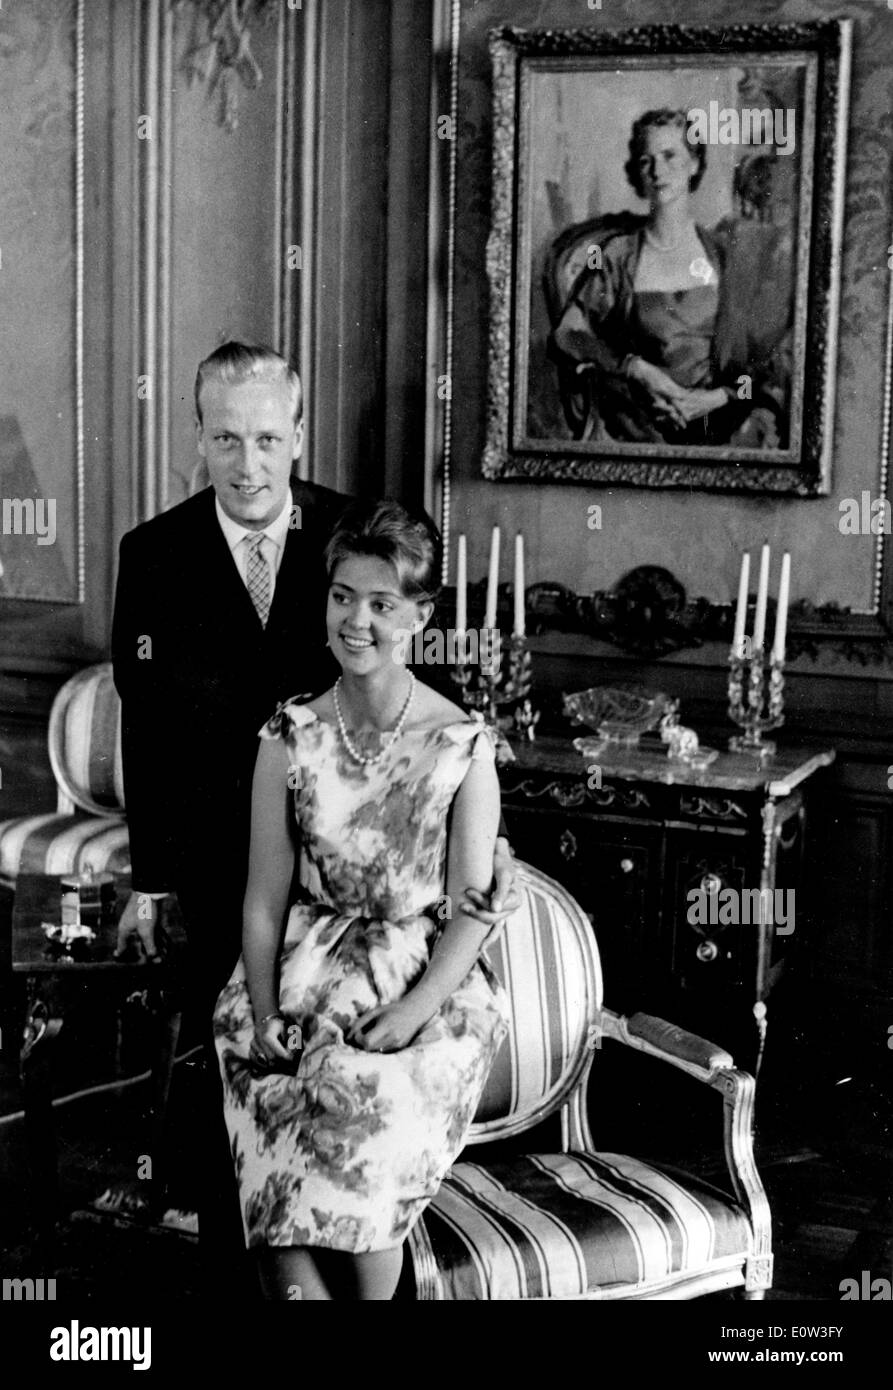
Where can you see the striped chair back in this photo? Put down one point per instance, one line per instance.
(85, 742)
(546, 958)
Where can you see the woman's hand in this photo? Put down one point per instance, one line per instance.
(268, 1045)
(665, 394)
(695, 404)
(390, 1027)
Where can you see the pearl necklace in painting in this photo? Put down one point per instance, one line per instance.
(355, 753)
(663, 246)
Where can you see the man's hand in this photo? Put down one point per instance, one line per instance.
(138, 923)
(503, 899)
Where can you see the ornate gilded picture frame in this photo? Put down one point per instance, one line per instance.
(664, 255)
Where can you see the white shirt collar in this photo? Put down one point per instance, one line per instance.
(235, 533)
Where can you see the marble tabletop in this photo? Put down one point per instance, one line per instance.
(648, 762)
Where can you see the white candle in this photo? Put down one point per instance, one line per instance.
(741, 610)
(781, 618)
(492, 580)
(519, 586)
(461, 586)
(759, 627)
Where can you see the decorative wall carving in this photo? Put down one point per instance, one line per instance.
(219, 49)
(649, 614)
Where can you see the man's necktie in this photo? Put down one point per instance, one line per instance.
(257, 578)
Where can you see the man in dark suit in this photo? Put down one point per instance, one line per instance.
(220, 615)
(200, 660)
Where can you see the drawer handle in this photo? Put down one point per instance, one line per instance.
(711, 883)
(707, 951)
(568, 844)
(627, 865)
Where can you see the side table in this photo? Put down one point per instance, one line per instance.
(37, 901)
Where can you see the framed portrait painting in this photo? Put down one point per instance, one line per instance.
(664, 255)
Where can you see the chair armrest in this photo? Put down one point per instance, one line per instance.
(708, 1063)
(654, 1036)
(673, 1041)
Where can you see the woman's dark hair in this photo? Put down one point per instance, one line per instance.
(663, 116)
(387, 531)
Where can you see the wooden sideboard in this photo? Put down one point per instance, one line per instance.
(632, 835)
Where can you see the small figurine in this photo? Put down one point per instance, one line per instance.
(669, 721)
(683, 742)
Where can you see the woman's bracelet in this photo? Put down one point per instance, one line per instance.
(266, 1018)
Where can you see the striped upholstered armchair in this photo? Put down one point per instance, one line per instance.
(88, 825)
(582, 1224)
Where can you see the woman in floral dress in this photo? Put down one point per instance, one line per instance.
(357, 1031)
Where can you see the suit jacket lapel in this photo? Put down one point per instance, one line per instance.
(300, 581)
(285, 594)
(296, 630)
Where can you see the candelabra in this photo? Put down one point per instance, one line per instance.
(753, 708)
(488, 685)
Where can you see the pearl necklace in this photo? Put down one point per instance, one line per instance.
(364, 758)
(661, 245)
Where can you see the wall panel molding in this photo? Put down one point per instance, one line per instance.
(79, 100)
(343, 334)
(445, 19)
(409, 382)
(42, 469)
(57, 636)
(297, 327)
(153, 60)
(294, 98)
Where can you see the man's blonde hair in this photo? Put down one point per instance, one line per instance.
(234, 363)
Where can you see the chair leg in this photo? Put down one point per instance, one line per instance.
(43, 1023)
(754, 1293)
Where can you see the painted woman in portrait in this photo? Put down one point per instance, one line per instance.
(666, 331)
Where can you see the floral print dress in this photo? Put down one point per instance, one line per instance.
(346, 1148)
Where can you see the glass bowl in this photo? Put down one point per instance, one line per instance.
(617, 713)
